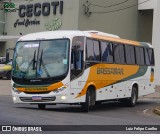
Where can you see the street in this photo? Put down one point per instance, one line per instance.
(109, 113)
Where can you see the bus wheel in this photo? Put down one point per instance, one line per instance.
(85, 105)
(133, 99)
(8, 75)
(90, 100)
(41, 106)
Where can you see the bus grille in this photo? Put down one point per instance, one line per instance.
(44, 99)
(37, 92)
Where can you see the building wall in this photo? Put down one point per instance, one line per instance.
(147, 5)
(122, 23)
(145, 25)
(155, 39)
(1, 20)
(69, 19)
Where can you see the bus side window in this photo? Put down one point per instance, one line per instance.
(107, 52)
(130, 54)
(140, 55)
(151, 56)
(119, 54)
(93, 51)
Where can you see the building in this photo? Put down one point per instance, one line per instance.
(130, 19)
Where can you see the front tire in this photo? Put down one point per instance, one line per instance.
(86, 104)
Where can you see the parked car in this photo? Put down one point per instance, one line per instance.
(5, 68)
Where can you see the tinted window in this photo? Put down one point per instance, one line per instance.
(119, 54)
(96, 51)
(130, 54)
(140, 56)
(90, 53)
(149, 56)
(93, 50)
(107, 52)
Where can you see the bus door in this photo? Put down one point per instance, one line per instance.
(77, 64)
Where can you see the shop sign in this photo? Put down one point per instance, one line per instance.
(9, 7)
(38, 9)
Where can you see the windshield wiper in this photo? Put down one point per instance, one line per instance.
(41, 63)
(34, 60)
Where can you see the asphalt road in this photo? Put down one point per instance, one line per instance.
(110, 113)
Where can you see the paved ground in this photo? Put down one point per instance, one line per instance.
(112, 113)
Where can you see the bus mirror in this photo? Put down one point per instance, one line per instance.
(7, 57)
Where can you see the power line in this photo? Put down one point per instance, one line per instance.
(121, 8)
(110, 5)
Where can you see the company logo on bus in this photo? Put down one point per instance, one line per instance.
(114, 71)
(36, 89)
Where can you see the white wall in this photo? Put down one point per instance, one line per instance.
(146, 5)
(156, 39)
(155, 5)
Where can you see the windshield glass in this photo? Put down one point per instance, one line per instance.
(41, 59)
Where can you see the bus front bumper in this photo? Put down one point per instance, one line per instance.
(50, 98)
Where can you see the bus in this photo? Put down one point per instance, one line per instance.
(81, 67)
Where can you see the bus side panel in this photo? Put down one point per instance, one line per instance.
(145, 84)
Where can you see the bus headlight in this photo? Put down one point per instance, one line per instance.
(14, 98)
(16, 91)
(63, 97)
(60, 89)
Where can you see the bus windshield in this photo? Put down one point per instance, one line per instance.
(41, 59)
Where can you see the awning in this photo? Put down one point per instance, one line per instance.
(7, 38)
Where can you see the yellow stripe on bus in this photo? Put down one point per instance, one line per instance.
(108, 75)
(41, 89)
(119, 40)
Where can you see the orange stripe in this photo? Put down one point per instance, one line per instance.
(41, 89)
(102, 80)
(115, 39)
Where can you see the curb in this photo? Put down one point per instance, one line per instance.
(157, 111)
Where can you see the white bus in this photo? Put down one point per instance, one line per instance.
(80, 67)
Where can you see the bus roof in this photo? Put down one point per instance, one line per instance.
(71, 33)
(51, 35)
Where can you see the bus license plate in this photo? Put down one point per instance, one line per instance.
(36, 98)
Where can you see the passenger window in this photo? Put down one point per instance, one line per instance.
(90, 53)
(119, 54)
(147, 58)
(130, 54)
(151, 56)
(96, 51)
(93, 50)
(107, 52)
(140, 56)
